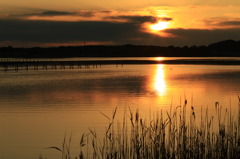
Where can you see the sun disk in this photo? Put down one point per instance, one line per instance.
(159, 26)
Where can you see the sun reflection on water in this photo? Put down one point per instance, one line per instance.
(159, 80)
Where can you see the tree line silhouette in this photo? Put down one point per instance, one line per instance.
(227, 48)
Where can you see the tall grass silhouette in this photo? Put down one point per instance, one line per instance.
(174, 135)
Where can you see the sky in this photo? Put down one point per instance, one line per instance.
(47, 23)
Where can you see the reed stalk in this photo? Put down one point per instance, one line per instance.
(175, 134)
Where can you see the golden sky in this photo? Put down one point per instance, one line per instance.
(150, 22)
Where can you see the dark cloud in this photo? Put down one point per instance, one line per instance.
(54, 31)
(138, 19)
(26, 31)
(55, 13)
(86, 13)
(221, 22)
(166, 19)
(202, 36)
(229, 23)
(105, 11)
(60, 13)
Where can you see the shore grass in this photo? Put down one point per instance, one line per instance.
(177, 134)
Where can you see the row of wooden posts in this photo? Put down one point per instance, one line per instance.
(48, 66)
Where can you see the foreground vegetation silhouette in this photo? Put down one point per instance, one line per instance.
(178, 134)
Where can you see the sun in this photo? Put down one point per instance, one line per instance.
(159, 26)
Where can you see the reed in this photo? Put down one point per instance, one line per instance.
(172, 135)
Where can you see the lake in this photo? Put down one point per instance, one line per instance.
(37, 107)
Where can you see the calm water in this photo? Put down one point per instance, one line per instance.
(38, 107)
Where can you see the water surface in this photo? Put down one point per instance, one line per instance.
(38, 107)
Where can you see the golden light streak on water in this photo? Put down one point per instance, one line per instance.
(159, 80)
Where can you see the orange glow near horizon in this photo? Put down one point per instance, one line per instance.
(159, 80)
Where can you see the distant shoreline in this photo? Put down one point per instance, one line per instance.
(228, 48)
(122, 62)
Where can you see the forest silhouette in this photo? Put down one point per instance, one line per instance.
(227, 48)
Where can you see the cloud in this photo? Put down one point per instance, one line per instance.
(138, 19)
(202, 36)
(105, 11)
(222, 22)
(60, 13)
(87, 13)
(165, 19)
(229, 23)
(55, 31)
(59, 32)
(54, 13)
